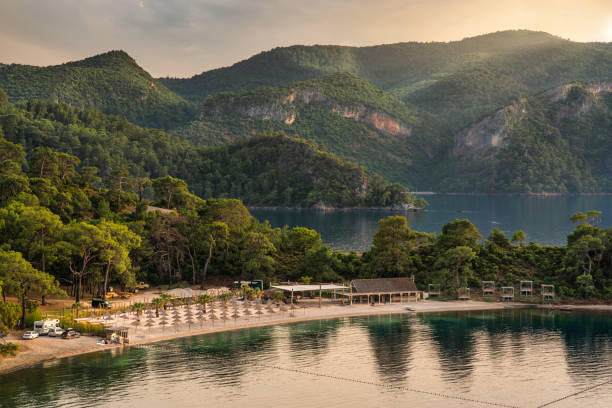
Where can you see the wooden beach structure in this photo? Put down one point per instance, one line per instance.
(507, 293)
(297, 291)
(488, 288)
(526, 288)
(434, 289)
(381, 290)
(463, 294)
(548, 292)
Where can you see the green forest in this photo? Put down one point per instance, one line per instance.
(272, 169)
(111, 82)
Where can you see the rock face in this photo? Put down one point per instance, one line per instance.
(283, 109)
(491, 132)
(494, 132)
(377, 119)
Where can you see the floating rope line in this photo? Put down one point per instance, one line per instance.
(389, 386)
(592, 387)
(168, 349)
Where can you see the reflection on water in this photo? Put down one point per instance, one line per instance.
(515, 357)
(544, 220)
(389, 338)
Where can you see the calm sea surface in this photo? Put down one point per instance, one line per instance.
(544, 220)
(524, 358)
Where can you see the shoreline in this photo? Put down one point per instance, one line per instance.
(332, 209)
(88, 344)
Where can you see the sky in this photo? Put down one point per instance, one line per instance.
(180, 38)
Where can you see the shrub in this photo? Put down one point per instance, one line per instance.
(82, 327)
(9, 314)
(8, 349)
(33, 316)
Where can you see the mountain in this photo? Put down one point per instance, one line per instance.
(557, 141)
(458, 81)
(406, 111)
(271, 169)
(344, 113)
(111, 82)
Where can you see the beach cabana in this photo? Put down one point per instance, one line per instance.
(548, 292)
(526, 288)
(433, 289)
(382, 290)
(463, 294)
(507, 293)
(488, 288)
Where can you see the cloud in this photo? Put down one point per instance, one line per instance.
(184, 37)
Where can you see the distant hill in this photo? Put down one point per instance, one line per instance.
(459, 81)
(278, 170)
(557, 141)
(111, 82)
(343, 112)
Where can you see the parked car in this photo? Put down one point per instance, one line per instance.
(100, 304)
(142, 285)
(56, 332)
(70, 334)
(30, 335)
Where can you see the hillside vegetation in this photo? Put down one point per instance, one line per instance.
(271, 170)
(275, 169)
(399, 110)
(557, 141)
(459, 80)
(343, 112)
(111, 82)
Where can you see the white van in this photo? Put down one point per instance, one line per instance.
(42, 326)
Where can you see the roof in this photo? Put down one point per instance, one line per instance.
(383, 285)
(306, 288)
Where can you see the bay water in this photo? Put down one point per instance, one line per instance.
(545, 220)
(512, 358)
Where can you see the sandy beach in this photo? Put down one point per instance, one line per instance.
(48, 348)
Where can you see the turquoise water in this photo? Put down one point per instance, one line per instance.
(524, 358)
(545, 220)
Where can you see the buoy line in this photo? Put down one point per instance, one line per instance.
(389, 386)
(592, 387)
(172, 350)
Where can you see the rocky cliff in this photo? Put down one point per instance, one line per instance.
(558, 141)
(283, 108)
(493, 132)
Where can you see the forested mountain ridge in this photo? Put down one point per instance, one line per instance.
(274, 169)
(394, 109)
(460, 80)
(557, 141)
(111, 82)
(343, 112)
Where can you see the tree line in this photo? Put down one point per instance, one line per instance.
(456, 258)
